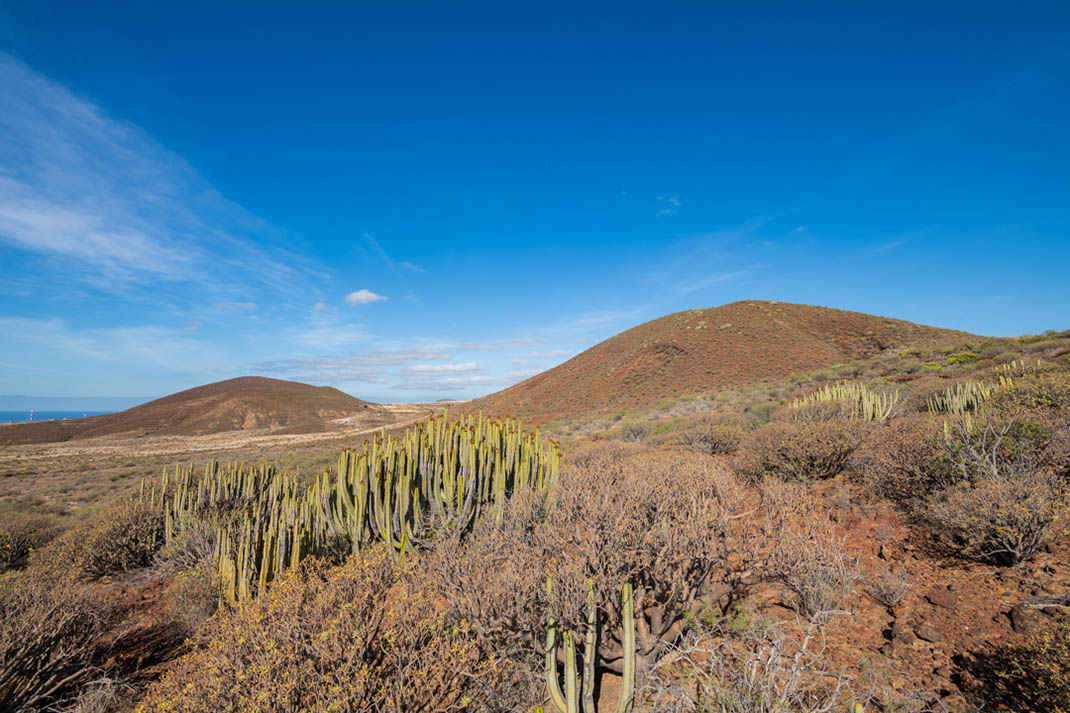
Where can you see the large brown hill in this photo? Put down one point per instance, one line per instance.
(703, 350)
(247, 402)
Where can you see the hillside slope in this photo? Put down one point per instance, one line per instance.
(707, 349)
(248, 402)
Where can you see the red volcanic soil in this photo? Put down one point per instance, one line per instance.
(707, 349)
(248, 402)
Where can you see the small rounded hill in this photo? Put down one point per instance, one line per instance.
(247, 402)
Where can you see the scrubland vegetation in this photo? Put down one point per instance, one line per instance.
(890, 533)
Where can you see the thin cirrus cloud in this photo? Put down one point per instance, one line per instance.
(96, 199)
(363, 297)
(504, 344)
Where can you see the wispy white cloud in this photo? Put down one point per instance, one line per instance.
(102, 202)
(410, 266)
(165, 349)
(362, 359)
(504, 344)
(363, 297)
(235, 306)
(441, 368)
(551, 354)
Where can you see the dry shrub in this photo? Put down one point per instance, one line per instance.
(48, 634)
(369, 635)
(904, 458)
(190, 547)
(816, 571)
(888, 588)
(118, 539)
(633, 431)
(1039, 671)
(800, 451)
(760, 668)
(711, 438)
(996, 449)
(1002, 521)
(586, 453)
(193, 597)
(21, 533)
(679, 526)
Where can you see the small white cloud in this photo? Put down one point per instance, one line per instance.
(674, 204)
(192, 326)
(235, 306)
(320, 306)
(363, 297)
(801, 229)
(410, 266)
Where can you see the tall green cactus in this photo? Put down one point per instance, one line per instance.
(568, 701)
(438, 477)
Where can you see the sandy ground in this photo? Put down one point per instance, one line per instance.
(67, 476)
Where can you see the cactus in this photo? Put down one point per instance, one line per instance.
(857, 400)
(964, 397)
(437, 477)
(568, 701)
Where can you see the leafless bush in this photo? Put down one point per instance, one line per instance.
(817, 572)
(369, 635)
(20, 534)
(677, 525)
(761, 671)
(634, 431)
(103, 695)
(1005, 522)
(48, 630)
(193, 597)
(800, 451)
(190, 547)
(115, 540)
(888, 588)
(711, 438)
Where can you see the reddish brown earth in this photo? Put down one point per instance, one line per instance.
(704, 350)
(244, 403)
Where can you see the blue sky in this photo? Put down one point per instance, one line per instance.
(429, 200)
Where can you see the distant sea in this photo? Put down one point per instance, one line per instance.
(20, 416)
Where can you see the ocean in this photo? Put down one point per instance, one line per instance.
(20, 416)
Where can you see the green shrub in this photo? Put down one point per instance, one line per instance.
(961, 358)
(1043, 345)
(1031, 392)
(931, 367)
(800, 451)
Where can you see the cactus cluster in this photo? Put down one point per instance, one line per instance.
(965, 396)
(858, 400)
(438, 477)
(582, 686)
